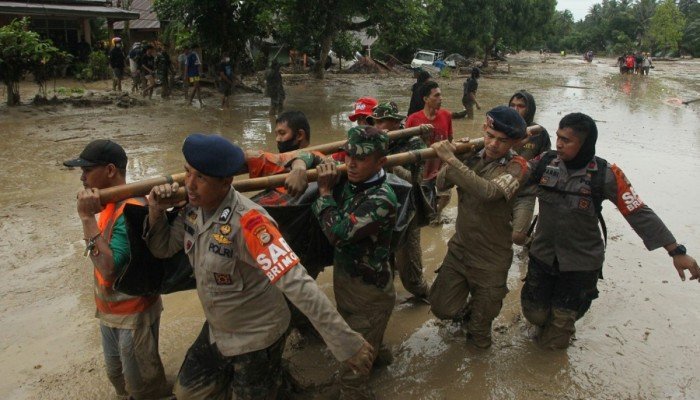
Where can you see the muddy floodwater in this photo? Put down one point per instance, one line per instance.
(640, 340)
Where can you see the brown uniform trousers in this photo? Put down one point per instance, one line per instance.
(471, 283)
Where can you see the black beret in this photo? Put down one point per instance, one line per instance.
(213, 155)
(507, 120)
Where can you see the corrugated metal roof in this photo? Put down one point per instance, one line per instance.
(74, 9)
(147, 20)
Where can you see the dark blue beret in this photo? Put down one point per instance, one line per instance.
(507, 120)
(213, 155)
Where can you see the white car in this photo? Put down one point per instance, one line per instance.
(424, 58)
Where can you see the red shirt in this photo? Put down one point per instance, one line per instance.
(442, 124)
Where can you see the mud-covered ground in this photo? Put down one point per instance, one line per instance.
(640, 339)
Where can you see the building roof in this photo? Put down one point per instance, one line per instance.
(147, 19)
(76, 8)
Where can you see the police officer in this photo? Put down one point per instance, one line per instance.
(408, 258)
(244, 269)
(567, 252)
(480, 252)
(359, 224)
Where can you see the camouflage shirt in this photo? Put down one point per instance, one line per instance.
(360, 226)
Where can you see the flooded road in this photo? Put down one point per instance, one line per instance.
(640, 340)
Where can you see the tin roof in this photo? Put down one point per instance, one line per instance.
(147, 17)
(79, 8)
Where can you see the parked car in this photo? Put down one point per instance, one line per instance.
(424, 58)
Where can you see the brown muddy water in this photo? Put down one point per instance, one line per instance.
(640, 340)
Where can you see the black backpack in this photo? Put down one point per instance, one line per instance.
(597, 185)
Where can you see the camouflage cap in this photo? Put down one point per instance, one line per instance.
(365, 140)
(386, 110)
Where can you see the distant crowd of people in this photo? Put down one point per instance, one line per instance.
(635, 63)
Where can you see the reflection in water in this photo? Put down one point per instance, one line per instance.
(635, 326)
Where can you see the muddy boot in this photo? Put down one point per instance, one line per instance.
(558, 332)
(384, 357)
(479, 341)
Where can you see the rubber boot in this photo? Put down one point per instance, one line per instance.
(558, 331)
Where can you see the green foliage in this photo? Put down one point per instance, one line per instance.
(345, 45)
(473, 27)
(96, 68)
(218, 25)
(23, 51)
(50, 66)
(667, 25)
(69, 91)
(691, 34)
(558, 30)
(176, 34)
(312, 25)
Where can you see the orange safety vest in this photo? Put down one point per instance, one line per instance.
(108, 300)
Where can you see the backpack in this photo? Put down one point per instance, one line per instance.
(597, 185)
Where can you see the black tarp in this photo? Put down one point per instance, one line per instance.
(147, 275)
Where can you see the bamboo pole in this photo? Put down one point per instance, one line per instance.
(142, 188)
(332, 147)
(273, 181)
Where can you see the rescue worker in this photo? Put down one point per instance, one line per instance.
(471, 85)
(359, 222)
(117, 61)
(244, 270)
(567, 252)
(274, 88)
(441, 120)
(128, 324)
(408, 259)
(471, 282)
(536, 142)
(363, 109)
(292, 133)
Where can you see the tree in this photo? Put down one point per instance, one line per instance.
(643, 12)
(220, 25)
(22, 51)
(560, 28)
(667, 25)
(691, 34)
(312, 25)
(345, 45)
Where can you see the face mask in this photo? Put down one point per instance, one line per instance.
(119, 46)
(287, 145)
(227, 59)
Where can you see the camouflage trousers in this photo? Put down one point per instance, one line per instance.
(207, 374)
(473, 295)
(366, 308)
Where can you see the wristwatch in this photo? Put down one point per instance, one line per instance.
(678, 251)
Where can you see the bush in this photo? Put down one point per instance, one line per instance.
(96, 68)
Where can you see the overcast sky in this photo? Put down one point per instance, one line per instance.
(579, 8)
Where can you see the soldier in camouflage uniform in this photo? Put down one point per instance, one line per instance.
(408, 258)
(359, 223)
(471, 282)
